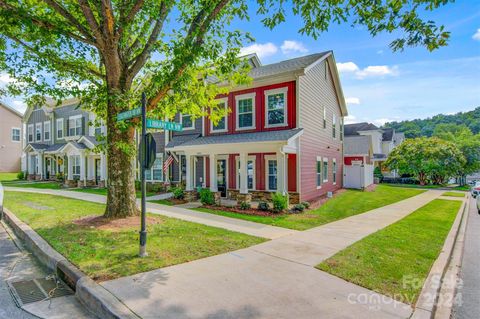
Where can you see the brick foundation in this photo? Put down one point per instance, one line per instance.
(70, 183)
(191, 196)
(247, 198)
(218, 197)
(261, 196)
(232, 194)
(91, 183)
(101, 184)
(294, 198)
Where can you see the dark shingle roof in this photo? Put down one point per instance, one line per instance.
(80, 146)
(286, 66)
(387, 134)
(38, 146)
(55, 147)
(180, 139)
(92, 139)
(271, 136)
(352, 129)
(356, 144)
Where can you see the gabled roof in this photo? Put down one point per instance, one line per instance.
(54, 147)
(357, 145)
(37, 146)
(387, 135)
(11, 109)
(353, 129)
(180, 139)
(255, 137)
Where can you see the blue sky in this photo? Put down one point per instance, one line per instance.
(380, 85)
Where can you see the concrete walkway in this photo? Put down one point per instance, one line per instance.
(271, 280)
(233, 224)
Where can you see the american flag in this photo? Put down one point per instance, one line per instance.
(167, 163)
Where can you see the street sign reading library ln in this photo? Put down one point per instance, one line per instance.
(159, 124)
(129, 114)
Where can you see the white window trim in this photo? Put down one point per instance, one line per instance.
(150, 178)
(74, 117)
(73, 160)
(218, 101)
(334, 126)
(244, 97)
(37, 125)
(319, 159)
(283, 90)
(252, 158)
(19, 135)
(324, 122)
(61, 126)
(325, 159)
(270, 158)
(190, 127)
(334, 171)
(49, 131)
(30, 128)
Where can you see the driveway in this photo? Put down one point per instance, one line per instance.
(271, 280)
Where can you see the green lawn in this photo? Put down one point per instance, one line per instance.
(103, 191)
(107, 254)
(161, 201)
(8, 177)
(457, 188)
(349, 203)
(41, 185)
(453, 194)
(396, 260)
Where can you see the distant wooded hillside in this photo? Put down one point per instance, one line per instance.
(426, 127)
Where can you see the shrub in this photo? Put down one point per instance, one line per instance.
(377, 172)
(138, 185)
(280, 202)
(245, 206)
(264, 206)
(178, 193)
(298, 208)
(207, 197)
(59, 176)
(305, 204)
(21, 175)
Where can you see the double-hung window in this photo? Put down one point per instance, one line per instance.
(319, 172)
(245, 111)
(324, 117)
(334, 171)
(38, 132)
(250, 174)
(59, 128)
(272, 174)
(221, 125)
(341, 129)
(325, 170)
(46, 131)
(276, 107)
(75, 159)
(187, 121)
(155, 174)
(15, 134)
(30, 132)
(75, 125)
(334, 126)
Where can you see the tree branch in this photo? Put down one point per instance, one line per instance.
(92, 22)
(109, 19)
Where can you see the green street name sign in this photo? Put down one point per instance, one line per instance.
(159, 124)
(129, 114)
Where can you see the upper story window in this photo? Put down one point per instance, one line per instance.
(15, 134)
(221, 126)
(341, 129)
(75, 125)
(59, 128)
(46, 131)
(245, 111)
(38, 132)
(334, 171)
(187, 121)
(334, 126)
(276, 107)
(324, 117)
(98, 130)
(30, 133)
(319, 172)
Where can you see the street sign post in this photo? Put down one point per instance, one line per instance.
(147, 153)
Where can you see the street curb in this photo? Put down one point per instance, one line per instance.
(93, 296)
(426, 305)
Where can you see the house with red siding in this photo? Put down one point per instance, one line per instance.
(283, 133)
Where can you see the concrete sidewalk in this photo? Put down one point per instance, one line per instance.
(271, 280)
(233, 224)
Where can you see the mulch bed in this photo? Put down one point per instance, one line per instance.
(118, 224)
(176, 201)
(250, 211)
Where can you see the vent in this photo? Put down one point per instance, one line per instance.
(29, 291)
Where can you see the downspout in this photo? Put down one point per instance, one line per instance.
(284, 172)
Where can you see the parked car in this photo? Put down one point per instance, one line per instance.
(475, 189)
(478, 204)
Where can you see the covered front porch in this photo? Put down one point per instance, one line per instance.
(242, 167)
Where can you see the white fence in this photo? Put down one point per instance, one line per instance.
(357, 176)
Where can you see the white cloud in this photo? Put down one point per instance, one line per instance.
(380, 122)
(261, 49)
(290, 46)
(350, 119)
(476, 36)
(352, 100)
(347, 67)
(369, 71)
(380, 52)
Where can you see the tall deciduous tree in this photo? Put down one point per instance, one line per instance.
(107, 51)
(427, 158)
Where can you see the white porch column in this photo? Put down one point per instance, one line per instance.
(40, 169)
(69, 168)
(189, 170)
(82, 166)
(281, 172)
(243, 173)
(213, 172)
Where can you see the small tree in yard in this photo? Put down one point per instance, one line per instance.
(107, 52)
(427, 158)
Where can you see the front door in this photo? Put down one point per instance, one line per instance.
(222, 177)
(97, 171)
